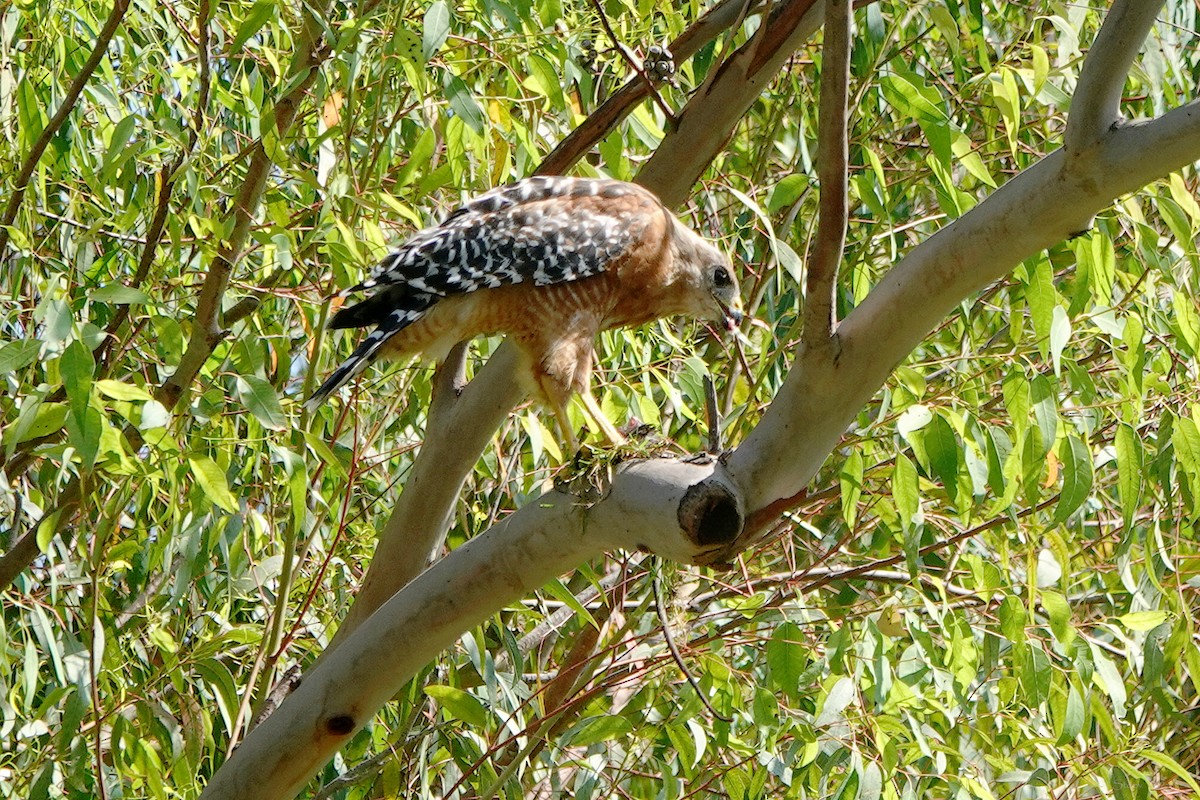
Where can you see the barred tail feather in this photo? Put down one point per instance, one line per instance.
(366, 352)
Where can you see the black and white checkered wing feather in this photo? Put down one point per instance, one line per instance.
(542, 230)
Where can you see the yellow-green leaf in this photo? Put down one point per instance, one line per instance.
(212, 481)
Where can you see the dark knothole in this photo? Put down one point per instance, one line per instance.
(340, 725)
(709, 514)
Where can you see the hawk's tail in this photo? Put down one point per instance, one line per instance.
(387, 325)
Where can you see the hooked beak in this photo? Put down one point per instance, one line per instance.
(733, 313)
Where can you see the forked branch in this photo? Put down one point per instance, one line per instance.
(1096, 106)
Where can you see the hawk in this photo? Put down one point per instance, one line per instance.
(549, 262)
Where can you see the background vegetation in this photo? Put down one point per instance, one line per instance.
(991, 593)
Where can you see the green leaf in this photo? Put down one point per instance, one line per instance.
(594, 730)
(1171, 765)
(259, 397)
(119, 295)
(787, 657)
(408, 45)
(1012, 619)
(459, 705)
(912, 97)
(260, 12)
(18, 355)
(1042, 299)
(122, 391)
(1060, 335)
(39, 420)
(1129, 471)
(1070, 725)
(1045, 411)
(1059, 612)
(84, 430)
(942, 447)
(1186, 439)
(1008, 100)
(1143, 620)
(556, 589)
(1076, 478)
(463, 104)
(436, 29)
(786, 192)
(117, 151)
(905, 491)
(851, 480)
(212, 481)
(544, 80)
(76, 366)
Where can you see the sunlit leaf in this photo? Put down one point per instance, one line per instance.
(459, 705)
(212, 481)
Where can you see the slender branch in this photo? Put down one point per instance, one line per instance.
(661, 610)
(17, 192)
(820, 307)
(777, 35)
(1096, 105)
(632, 62)
(166, 188)
(709, 118)
(207, 330)
(622, 102)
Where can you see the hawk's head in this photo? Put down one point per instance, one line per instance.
(714, 292)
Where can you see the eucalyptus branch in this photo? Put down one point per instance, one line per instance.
(679, 510)
(820, 309)
(1038, 208)
(632, 62)
(466, 422)
(1096, 105)
(21, 183)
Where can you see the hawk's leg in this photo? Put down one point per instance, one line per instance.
(607, 429)
(565, 370)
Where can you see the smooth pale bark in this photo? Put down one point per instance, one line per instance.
(1038, 208)
(682, 511)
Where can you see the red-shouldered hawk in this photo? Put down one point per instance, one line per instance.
(550, 262)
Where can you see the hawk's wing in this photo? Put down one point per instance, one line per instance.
(543, 230)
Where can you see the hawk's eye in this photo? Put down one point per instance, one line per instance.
(721, 277)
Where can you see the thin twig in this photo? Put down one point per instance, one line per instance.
(669, 638)
(636, 67)
(68, 104)
(820, 310)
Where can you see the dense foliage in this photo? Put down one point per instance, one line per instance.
(991, 592)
